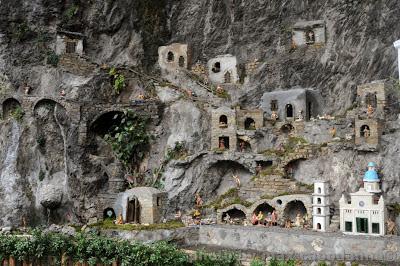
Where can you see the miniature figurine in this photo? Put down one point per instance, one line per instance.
(237, 181)
(391, 227)
(221, 144)
(219, 89)
(254, 219)
(332, 131)
(300, 116)
(288, 223)
(63, 93)
(274, 116)
(227, 219)
(299, 220)
(241, 146)
(27, 89)
(258, 169)
(119, 220)
(274, 218)
(260, 218)
(370, 110)
(366, 132)
(189, 93)
(199, 200)
(178, 215)
(141, 97)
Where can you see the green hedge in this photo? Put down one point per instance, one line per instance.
(96, 249)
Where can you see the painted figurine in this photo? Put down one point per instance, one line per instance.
(199, 200)
(332, 131)
(237, 180)
(119, 220)
(370, 110)
(222, 144)
(274, 116)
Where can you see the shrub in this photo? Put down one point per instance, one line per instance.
(17, 113)
(118, 80)
(212, 259)
(257, 262)
(52, 59)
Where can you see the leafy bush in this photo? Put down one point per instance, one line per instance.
(118, 80)
(17, 113)
(129, 139)
(257, 262)
(71, 12)
(21, 32)
(177, 152)
(276, 262)
(212, 259)
(52, 59)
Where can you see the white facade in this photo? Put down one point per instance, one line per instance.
(362, 215)
(223, 69)
(173, 56)
(63, 41)
(397, 46)
(301, 29)
(321, 202)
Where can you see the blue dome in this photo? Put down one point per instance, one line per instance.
(371, 164)
(371, 175)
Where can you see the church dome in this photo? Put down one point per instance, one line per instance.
(371, 164)
(371, 176)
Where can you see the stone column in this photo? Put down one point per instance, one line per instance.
(397, 46)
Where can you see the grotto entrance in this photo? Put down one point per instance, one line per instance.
(10, 106)
(133, 211)
(106, 122)
(289, 111)
(293, 208)
(234, 216)
(265, 208)
(109, 213)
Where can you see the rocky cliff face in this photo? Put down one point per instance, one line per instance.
(55, 165)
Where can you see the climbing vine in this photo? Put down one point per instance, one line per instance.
(130, 139)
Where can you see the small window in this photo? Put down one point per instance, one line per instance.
(70, 47)
(310, 36)
(365, 131)
(274, 105)
(227, 77)
(348, 227)
(375, 228)
(181, 61)
(289, 111)
(216, 67)
(319, 190)
(223, 143)
(318, 226)
(158, 201)
(223, 121)
(318, 210)
(318, 200)
(370, 99)
(170, 56)
(249, 124)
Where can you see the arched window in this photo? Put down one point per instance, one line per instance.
(319, 190)
(181, 61)
(170, 56)
(318, 210)
(227, 77)
(370, 99)
(216, 67)
(319, 201)
(289, 111)
(364, 131)
(223, 120)
(318, 226)
(310, 36)
(249, 124)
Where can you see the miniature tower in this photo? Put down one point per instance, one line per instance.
(397, 46)
(321, 202)
(371, 179)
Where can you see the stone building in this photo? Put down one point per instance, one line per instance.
(223, 129)
(321, 203)
(289, 104)
(367, 134)
(173, 56)
(223, 69)
(69, 43)
(142, 205)
(373, 94)
(249, 119)
(362, 215)
(308, 33)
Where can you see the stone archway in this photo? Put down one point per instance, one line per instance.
(293, 208)
(10, 105)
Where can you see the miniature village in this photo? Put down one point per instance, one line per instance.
(231, 164)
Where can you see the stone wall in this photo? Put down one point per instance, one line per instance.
(256, 115)
(305, 245)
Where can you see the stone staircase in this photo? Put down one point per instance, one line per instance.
(76, 64)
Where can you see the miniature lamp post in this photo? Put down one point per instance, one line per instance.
(397, 46)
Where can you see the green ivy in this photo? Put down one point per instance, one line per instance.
(118, 80)
(71, 12)
(17, 113)
(52, 59)
(211, 259)
(130, 139)
(257, 262)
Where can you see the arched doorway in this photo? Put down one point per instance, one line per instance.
(310, 36)
(227, 77)
(365, 131)
(216, 67)
(10, 106)
(133, 211)
(234, 216)
(289, 110)
(294, 208)
(223, 120)
(109, 213)
(181, 61)
(370, 99)
(318, 226)
(287, 128)
(249, 124)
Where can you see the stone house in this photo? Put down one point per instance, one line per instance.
(373, 94)
(142, 205)
(223, 69)
(289, 104)
(223, 129)
(173, 56)
(308, 33)
(69, 43)
(362, 215)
